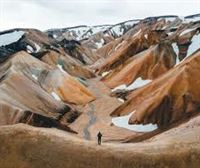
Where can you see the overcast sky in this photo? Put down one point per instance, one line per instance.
(45, 14)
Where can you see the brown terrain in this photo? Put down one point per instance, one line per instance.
(59, 88)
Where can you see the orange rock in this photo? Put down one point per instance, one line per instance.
(130, 47)
(69, 64)
(148, 64)
(29, 86)
(170, 97)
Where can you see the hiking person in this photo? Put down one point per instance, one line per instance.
(99, 135)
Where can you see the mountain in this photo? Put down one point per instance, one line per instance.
(135, 81)
(164, 102)
(84, 32)
(148, 64)
(30, 87)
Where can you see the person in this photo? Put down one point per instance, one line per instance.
(99, 135)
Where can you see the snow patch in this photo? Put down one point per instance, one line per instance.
(192, 19)
(9, 38)
(131, 22)
(167, 19)
(120, 87)
(106, 35)
(123, 123)
(85, 31)
(170, 19)
(139, 82)
(170, 33)
(195, 44)
(29, 49)
(55, 36)
(37, 47)
(100, 44)
(146, 36)
(117, 30)
(55, 96)
(121, 100)
(34, 76)
(176, 50)
(61, 68)
(105, 73)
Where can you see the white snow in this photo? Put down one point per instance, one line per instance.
(29, 49)
(175, 47)
(139, 82)
(117, 30)
(167, 19)
(86, 31)
(34, 76)
(100, 44)
(182, 18)
(55, 96)
(106, 35)
(9, 38)
(97, 29)
(195, 44)
(121, 100)
(170, 33)
(61, 68)
(186, 31)
(131, 22)
(123, 123)
(55, 36)
(120, 87)
(176, 50)
(71, 33)
(193, 19)
(37, 47)
(79, 31)
(159, 19)
(170, 19)
(146, 36)
(105, 73)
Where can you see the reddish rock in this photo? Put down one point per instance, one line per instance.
(168, 98)
(148, 64)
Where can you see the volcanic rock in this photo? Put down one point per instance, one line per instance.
(29, 86)
(148, 64)
(167, 99)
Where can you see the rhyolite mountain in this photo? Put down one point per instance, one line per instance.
(135, 81)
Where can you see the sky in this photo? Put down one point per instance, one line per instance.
(46, 14)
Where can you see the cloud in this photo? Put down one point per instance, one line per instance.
(45, 14)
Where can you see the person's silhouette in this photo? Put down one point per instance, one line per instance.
(99, 135)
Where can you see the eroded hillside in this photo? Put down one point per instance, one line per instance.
(136, 81)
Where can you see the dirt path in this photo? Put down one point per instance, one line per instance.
(96, 116)
(92, 117)
(92, 120)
